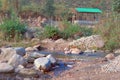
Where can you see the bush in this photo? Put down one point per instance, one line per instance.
(110, 29)
(76, 31)
(12, 29)
(51, 32)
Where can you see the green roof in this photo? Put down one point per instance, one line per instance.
(90, 10)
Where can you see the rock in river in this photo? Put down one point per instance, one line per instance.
(42, 64)
(6, 68)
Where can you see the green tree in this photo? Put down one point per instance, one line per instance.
(116, 5)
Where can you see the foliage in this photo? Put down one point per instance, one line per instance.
(116, 5)
(76, 31)
(110, 29)
(51, 32)
(12, 29)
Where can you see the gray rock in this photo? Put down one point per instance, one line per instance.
(42, 64)
(20, 50)
(52, 59)
(36, 55)
(17, 60)
(7, 53)
(6, 68)
(110, 56)
(31, 56)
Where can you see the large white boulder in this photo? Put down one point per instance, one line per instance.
(42, 64)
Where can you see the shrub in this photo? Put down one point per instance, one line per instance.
(12, 29)
(51, 32)
(76, 31)
(110, 29)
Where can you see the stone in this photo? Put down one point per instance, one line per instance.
(6, 68)
(90, 42)
(75, 51)
(20, 50)
(16, 60)
(32, 55)
(117, 51)
(110, 56)
(31, 49)
(52, 59)
(42, 64)
(7, 53)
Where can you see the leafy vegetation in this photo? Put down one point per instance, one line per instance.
(12, 29)
(110, 29)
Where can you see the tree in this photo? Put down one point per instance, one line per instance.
(116, 5)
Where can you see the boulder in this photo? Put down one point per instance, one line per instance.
(6, 68)
(16, 60)
(75, 51)
(31, 49)
(31, 56)
(7, 53)
(52, 59)
(91, 42)
(110, 56)
(117, 51)
(20, 50)
(42, 64)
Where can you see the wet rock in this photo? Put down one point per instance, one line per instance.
(16, 60)
(52, 59)
(110, 56)
(20, 50)
(6, 68)
(42, 64)
(91, 42)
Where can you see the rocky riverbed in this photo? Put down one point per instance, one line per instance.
(49, 61)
